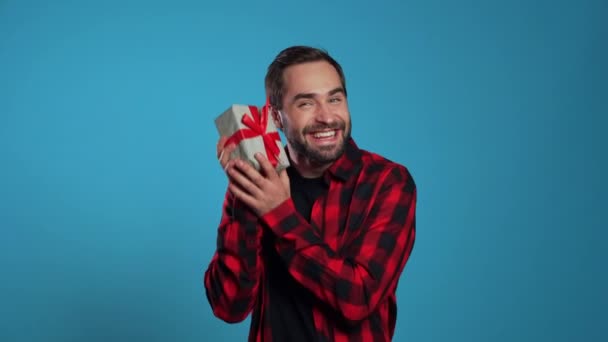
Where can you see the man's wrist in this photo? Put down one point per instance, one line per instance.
(281, 219)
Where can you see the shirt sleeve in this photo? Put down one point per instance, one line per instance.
(233, 275)
(367, 270)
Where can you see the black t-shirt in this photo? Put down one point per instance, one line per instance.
(290, 306)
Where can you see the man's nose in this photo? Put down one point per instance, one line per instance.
(323, 113)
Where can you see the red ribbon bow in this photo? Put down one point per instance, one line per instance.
(256, 126)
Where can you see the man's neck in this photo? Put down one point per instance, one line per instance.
(304, 166)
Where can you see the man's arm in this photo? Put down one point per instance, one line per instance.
(233, 276)
(355, 281)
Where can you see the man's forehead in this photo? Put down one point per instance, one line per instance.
(311, 77)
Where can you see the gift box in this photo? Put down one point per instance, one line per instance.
(252, 130)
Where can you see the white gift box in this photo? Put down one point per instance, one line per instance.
(254, 131)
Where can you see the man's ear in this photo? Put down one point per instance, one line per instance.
(276, 117)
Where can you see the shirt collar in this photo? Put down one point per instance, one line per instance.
(348, 164)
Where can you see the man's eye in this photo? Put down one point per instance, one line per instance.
(304, 104)
(335, 100)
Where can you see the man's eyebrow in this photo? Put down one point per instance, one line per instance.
(336, 91)
(303, 96)
(312, 95)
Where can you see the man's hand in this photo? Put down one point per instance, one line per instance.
(261, 192)
(223, 153)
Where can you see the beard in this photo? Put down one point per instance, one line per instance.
(321, 155)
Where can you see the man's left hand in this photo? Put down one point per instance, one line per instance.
(261, 192)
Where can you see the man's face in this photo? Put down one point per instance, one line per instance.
(315, 116)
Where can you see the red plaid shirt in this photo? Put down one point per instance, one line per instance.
(350, 255)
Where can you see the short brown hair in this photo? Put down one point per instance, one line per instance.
(291, 56)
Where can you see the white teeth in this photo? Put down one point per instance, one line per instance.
(324, 134)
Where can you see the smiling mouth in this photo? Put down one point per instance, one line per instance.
(324, 134)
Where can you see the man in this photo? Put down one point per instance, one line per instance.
(316, 250)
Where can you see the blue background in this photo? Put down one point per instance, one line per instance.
(110, 193)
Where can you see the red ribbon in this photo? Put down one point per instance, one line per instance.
(256, 126)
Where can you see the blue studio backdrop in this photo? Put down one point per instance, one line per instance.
(110, 192)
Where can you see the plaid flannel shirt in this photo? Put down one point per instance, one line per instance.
(350, 256)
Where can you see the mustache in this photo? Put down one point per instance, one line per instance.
(319, 127)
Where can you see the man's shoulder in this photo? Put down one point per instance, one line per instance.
(376, 165)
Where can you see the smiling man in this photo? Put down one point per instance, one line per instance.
(318, 125)
(314, 251)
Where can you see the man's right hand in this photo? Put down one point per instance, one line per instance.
(223, 153)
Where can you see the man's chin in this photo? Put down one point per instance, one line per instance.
(319, 154)
(326, 154)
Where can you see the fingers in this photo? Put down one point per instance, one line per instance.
(241, 194)
(220, 146)
(224, 152)
(248, 178)
(260, 193)
(265, 166)
(224, 157)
